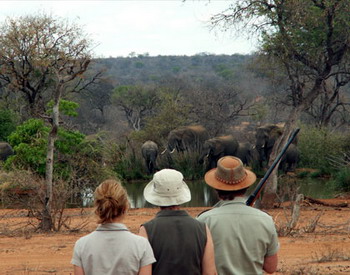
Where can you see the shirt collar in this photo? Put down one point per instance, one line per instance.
(167, 213)
(112, 227)
(240, 200)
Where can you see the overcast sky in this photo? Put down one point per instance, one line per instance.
(163, 27)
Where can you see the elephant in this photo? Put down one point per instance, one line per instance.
(187, 138)
(217, 147)
(149, 151)
(290, 159)
(265, 140)
(247, 153)
(5, 151)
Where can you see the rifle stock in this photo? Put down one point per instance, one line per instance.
(252, 198)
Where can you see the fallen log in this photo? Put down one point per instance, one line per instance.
(311, 200)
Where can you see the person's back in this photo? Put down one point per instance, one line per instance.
(251, 237)
(178, 242)
(112, 248)
(181, 244)
(245, 238)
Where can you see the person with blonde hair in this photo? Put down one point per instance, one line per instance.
(112, 248)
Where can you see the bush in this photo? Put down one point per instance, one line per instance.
(317, 147)
(7, 124)
(342, 179)
(20, 189)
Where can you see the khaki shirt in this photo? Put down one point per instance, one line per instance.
(112, 249)
(242, 237)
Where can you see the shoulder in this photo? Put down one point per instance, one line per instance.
(203, 213)
(84, 240)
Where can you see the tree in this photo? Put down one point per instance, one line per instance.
(137, 102)
(43, 57)
(173, 112)
(308, 39)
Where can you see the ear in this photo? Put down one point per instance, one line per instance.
(218, 148)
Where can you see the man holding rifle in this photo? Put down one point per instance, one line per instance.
(245, 238)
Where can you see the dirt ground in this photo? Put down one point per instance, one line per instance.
(318, 244)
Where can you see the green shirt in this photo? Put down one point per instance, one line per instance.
(242, 237)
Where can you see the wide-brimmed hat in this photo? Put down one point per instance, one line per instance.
(167, 188)
(229, 175)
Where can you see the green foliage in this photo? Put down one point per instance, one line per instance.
(125, 163)
(317, 146)
(187, 163)
(86, 166)
(68, 140)
(341, 179)
(139, 64)
(29, 142)
(259, 112)
(66, 107)
(224, 71)
(170, 115)
(7, 123)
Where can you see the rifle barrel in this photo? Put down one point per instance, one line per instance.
(251, 199)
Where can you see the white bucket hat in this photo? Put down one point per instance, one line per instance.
(167, 188)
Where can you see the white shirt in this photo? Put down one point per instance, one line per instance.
(112, 249)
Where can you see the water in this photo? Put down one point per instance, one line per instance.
(205, 196)
(202, 194)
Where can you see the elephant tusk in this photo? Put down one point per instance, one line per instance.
(163, 151)
(172, 151)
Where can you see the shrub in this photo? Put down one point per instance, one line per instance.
(342, 179)
(7, 124)
(317, 146)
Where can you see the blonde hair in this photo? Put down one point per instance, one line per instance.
(111, 201)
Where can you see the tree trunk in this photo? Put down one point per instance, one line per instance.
(270, 193)
(47, 223)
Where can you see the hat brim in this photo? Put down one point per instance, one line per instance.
(211, 180)
(183, 196)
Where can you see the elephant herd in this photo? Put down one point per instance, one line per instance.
(210, 150)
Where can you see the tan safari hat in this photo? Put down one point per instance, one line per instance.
(167, 188)
(229, 175)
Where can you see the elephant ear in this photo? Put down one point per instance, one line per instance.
(217, 148)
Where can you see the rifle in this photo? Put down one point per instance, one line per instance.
(251, 199)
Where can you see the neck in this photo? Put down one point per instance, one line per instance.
(172, 207)
(118, 219)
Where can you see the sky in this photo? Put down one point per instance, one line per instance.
(163, 27)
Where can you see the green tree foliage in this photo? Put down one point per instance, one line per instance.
(7, 123)
(29, 141)
(170, 114)
(79, 160)
(67, 107)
